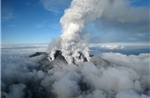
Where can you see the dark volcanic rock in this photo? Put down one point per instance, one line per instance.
(46, 64)
(38, 53)
(84, 87)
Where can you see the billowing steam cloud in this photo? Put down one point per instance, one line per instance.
(73, 21)
(114, 13)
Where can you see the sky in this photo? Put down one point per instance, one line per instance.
(37, 21)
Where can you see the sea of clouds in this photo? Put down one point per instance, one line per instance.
(21, 76)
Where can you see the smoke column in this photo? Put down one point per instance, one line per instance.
(73, 21)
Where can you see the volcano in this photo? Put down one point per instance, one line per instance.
(68, 70)
(46, 64)
(105, 76)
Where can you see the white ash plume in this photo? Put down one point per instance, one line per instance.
(73, 21)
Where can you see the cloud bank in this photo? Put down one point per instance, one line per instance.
(111, 47)
(23, 77)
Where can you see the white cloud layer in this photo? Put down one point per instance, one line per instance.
(53, 5)
(111, 47)
(126, 77)
(140, 64)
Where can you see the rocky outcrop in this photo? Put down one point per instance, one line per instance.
(46, 64)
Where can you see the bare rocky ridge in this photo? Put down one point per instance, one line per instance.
(45, 64)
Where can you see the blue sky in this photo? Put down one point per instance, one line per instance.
(28, 21)
(37, 21)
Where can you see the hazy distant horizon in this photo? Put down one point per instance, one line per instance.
(128, 49)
